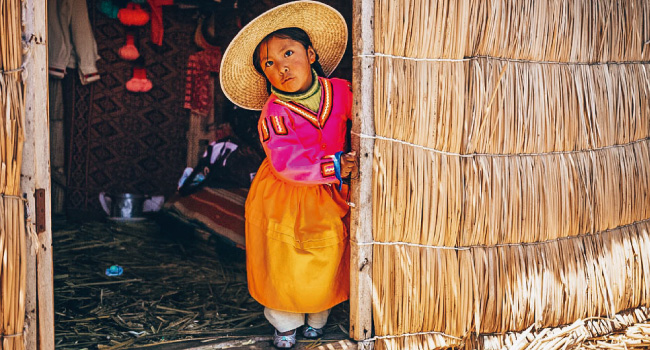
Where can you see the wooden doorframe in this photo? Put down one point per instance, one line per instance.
(363, 66)
(35, 174)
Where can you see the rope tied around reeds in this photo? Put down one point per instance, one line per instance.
(522, 244)
(15, 335)
(7, 72)
(497, 58)
(395, 336)
(13, 197)
(473, 155)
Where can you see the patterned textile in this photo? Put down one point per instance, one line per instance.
(199, 85)
(216, 210)
(121, 141)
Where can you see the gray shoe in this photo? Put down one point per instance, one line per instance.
(310, 332)
(284, 341)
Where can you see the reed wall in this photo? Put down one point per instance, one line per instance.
(13, 265)
(511, 166)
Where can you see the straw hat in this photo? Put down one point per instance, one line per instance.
(246, 87)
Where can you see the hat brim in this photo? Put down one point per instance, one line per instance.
(326, 27)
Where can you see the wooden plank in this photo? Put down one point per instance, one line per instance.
(35, 174)
(361, 218)
(31, 307)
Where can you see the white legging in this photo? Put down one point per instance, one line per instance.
(285, 321)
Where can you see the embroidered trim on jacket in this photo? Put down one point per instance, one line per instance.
(265, 131)
(308, 115)
(278, 125)
(327, 106)
(327, 169)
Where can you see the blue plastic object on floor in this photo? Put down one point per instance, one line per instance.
(114, 270)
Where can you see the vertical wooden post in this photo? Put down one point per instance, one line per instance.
(35, 174)
(361, 218)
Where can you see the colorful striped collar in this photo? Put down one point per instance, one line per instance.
(325, 110)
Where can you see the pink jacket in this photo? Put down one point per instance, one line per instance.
(298, 142)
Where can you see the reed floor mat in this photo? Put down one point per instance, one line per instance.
(172, 289)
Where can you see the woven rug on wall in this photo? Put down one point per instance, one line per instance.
(122, 141)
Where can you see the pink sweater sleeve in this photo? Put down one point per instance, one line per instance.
(291, 160)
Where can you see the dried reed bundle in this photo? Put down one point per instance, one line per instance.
(13, 274)
(496, 107)
(635, 337)
(447, 200)
(506, 288)
(12, 225)
(11, 97)
(629, 328)
(555, 30)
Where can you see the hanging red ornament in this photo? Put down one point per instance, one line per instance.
(133, 15)
(129, 52)
(139, 82)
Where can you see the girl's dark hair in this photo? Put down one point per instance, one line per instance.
(294, 33)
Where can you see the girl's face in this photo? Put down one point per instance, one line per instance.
(287, 64)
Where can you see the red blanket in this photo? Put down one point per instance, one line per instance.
(218, 210)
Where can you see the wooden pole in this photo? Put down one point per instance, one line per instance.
(361, 218)
(35, 174)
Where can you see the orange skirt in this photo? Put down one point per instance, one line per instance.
(297, 246)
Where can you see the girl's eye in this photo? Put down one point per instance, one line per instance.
(268, 64)
(288, 53)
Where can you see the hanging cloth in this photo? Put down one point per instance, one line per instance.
(199, 84)
(157, 19)
(71, 40)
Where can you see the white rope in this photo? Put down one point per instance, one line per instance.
(377, 54)
(409, 335)
(413, 245)
(12, 197)
(515, 60)
(472, 155)
(521, 244)
(7, 72)
(12, 335)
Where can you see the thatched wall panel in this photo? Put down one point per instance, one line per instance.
(448, 200)
(508, 288)
(511, 169)
(491, 106)
(565, 31)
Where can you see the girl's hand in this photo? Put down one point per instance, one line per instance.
(349, 164)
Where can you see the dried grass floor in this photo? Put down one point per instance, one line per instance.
(176, 292)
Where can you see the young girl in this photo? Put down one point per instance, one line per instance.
(296, 237)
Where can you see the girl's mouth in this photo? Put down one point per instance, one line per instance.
(286, 79)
